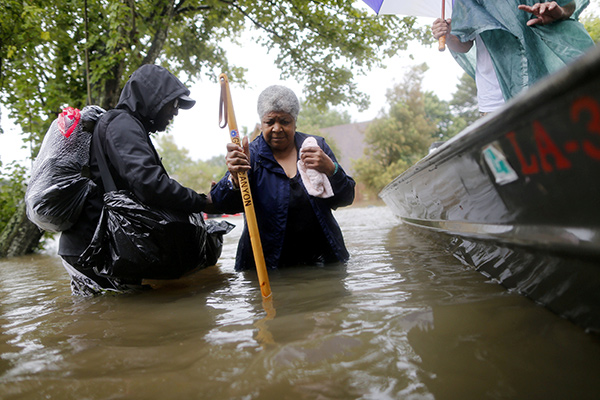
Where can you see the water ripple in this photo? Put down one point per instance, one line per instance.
(401, 320)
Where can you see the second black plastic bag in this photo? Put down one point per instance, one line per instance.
(133, 241)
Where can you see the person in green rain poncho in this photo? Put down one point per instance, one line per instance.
(517, 42)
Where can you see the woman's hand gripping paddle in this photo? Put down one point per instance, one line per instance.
(259, 258)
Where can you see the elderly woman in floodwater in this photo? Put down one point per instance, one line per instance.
(296, 182)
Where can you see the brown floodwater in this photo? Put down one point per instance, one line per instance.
(402, 320)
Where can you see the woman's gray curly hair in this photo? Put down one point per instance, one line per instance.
(278, 98)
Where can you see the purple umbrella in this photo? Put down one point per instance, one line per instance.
(413, 8)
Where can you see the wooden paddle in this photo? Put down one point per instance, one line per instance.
(259, 258)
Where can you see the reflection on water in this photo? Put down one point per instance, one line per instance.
(402, 320)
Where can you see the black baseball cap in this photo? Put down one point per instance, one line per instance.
(186, 102)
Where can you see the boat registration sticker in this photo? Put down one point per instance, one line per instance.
(499, 165)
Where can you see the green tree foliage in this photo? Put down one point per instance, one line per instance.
(464, 101)
(312, 117)
(403, 135)
(44, 45)
(592, 25)
(195, 174)
(397, 139)
(12, 187)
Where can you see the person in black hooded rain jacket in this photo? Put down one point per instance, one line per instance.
(148, 102)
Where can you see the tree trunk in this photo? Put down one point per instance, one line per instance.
(20, 236)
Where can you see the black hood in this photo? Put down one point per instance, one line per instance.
(148, 89)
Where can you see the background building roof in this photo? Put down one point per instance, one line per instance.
(350, 142)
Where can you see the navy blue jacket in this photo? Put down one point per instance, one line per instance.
(271, 193)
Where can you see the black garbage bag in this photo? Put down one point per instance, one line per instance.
(214, 240)
(59, 183)
(133, 241)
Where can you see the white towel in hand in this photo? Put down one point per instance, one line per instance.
(317, 183)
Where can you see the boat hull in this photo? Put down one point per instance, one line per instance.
(523, 182)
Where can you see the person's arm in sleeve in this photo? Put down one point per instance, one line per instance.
(343, 188)
(226, 193)
(134, 158)
(226, 196)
